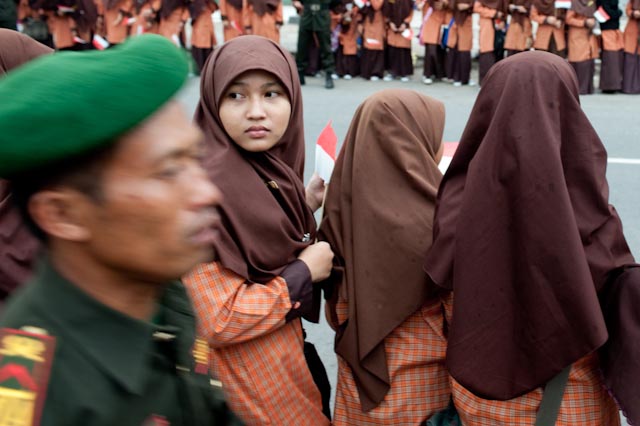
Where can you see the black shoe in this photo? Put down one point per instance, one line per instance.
(328, 82)
(301, 75)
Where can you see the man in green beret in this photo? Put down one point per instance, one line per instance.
(105, 167)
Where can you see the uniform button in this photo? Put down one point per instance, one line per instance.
(163, 337)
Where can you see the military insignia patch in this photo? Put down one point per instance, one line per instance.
(200, 356)
(25, 364)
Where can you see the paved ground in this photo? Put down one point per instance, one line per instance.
(615, 118)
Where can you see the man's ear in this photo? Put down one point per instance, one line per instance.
(61, 213)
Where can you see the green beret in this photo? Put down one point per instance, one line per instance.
(69, 103)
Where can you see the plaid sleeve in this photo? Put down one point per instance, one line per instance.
(230, 310)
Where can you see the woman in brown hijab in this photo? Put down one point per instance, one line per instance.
(378, 220)
(398, 15)
(631, 78)
(373, 40)
(435, 15)
(460, 41)
(518, 37)
(583, 46)
(250, 298)
(550, 33)
(18, 247)
(493, 19)
(526, 239)
(263, 18)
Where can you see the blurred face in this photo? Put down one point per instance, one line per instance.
(255, 111)
(157, 217)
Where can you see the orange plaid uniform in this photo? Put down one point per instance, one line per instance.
(256, 355)
(586, 401)
(419, 381)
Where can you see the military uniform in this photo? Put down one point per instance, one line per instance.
(315, 24)
(66, 359)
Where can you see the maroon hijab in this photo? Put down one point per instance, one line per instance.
(378, 219)
(524, 233)
(18, 247)
(264, 228)
(397, 10)
(584, 7)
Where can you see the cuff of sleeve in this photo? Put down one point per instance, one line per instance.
(298, 279)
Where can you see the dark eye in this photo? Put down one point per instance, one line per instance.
(272, 94)
(234, 95)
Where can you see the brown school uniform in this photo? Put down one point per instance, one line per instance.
(431, 37)
(202, 35)
(267, 25)
(582, 50)
(373, 35)
(545, 33)
(60, 29)
(631, 78)
(347, 54)
(519, 34)
(115, 19)
(232, 17)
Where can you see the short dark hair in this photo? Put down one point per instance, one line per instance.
(82, 172)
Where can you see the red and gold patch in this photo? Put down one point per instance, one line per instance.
(25, 364)
(200, 356)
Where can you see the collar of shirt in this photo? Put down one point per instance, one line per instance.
(119, 344)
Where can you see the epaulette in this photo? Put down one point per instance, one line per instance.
(25, 363)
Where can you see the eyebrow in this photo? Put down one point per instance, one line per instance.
(196, 148)
(264, 86)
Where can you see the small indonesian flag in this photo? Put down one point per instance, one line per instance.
(236, 27)
(326, 152)
(99, 42)
(129, 21)
(447, 155)
(601, 15)
(79, 40)
(562, 4)
(373, 42)
(65, 9)
(408, 34)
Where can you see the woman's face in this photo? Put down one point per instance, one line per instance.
(255, 110)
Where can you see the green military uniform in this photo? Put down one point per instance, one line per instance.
(105, 368)
(315, 25)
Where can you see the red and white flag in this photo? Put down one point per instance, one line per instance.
(326, 152)
(601, 15)
(447, 155)
(99, 42)
(562, 4)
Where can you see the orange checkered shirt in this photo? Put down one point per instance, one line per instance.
(256, 355)
(419, 381)
(586, 402)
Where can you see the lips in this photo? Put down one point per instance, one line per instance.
(257, 132)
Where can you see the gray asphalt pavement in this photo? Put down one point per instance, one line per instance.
(616, 118)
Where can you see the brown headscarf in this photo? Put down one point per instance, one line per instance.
(584, 7)
(397, 11)
(524, 233)
(460, 16)
(263, 229)
(545, 7)
(260, 7)
(18, 247)
(500, 5)
(378, 219)
(519, 17)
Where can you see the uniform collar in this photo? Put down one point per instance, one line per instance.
(120, 345)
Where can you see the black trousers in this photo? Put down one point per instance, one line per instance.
(322, 39)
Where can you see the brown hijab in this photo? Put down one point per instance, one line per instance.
(524, 233)
(545, 7)
(500, 5)
(397, 11)
(378, 219)
(264, 228)
(584, 7)
(260, 7)
(18, 247)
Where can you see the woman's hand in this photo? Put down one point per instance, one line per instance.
(319, 259)
(315, 192)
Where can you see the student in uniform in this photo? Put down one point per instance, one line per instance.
(519, 34)
(493, 15)
(460, 41)
(373, 41)
(550, 35)
(378, 220)
(526, 239)
(631, 78)
(398, 14)
(263, 18)
(104, 333)
(582, 46)
(250, 298)
(203, 37)
(434, 16)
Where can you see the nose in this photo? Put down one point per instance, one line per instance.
(204, 192)
(256, 108)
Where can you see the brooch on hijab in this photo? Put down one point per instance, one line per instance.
(272, 184)
(306, 237)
